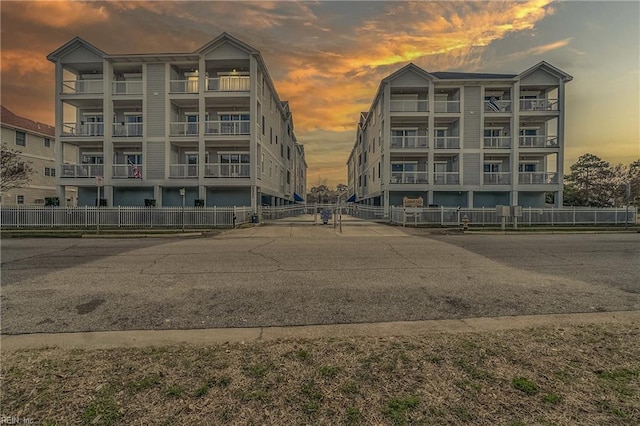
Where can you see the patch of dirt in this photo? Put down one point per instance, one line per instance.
(90, 306)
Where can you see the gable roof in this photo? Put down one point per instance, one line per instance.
(9, 118)
(470, 75)
(409, 67)
(70, 46)
(228, 38)
(548, 68)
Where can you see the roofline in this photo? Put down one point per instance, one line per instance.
(30, 131)
(543, 64)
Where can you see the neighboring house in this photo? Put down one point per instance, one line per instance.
(35, 142)
(462, 139)
(145, 126)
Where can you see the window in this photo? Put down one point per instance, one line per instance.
(50, 171)
(288, 153)
(527, 167)
(47, 142)
(271, 135)
(20, 199)
(234, 164)
(263, 125)
(492, 167)
(21, 139)
(262, 163)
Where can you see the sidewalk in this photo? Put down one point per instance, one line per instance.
(143, 338)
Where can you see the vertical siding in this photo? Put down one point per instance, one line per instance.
(472, 108)
(155, 103)
(155, 160)
(472, 169)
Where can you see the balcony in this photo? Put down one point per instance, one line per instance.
(497, 178)
(539, 141)
(447, 142)
(229, 84)
(82, 87)
(227, 170)
(538, 105)
(409, 106)
(446, 178)
(183, 86)
(497, 105)
(82, 170)
(127, 171)
(227, 128)
(537, 178)
(127, 88)
(183, 128)
(497, 142)
(409, 142)
(447, 106)
(183, 171)
(127, 130)
(409, 177)
(82, 129)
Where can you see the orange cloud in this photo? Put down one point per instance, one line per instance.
(59, 14)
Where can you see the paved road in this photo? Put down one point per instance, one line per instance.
(302, 275)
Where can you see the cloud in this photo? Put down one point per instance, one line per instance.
(541, 50)
(58, 14)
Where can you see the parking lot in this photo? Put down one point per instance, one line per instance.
(301, 274)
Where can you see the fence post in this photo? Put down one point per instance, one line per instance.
(595, 216)
(483, 216)
(215, 217)
(574, 215)
(441, 215)
(552, 211)
(119, 218)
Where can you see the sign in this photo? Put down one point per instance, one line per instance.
(99, 181)
(503, 211)
(412, 202)
(182, 191)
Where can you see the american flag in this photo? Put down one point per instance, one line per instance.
(494, 104)
(135, 171)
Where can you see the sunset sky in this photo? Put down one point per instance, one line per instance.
(328, 57)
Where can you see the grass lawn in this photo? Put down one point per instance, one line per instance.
(570, 375)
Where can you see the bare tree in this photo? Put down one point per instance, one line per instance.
(16, 172)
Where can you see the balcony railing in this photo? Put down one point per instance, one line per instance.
(446, 178)
(409, 177)
(409, 106)
(446, 142)
(82, 129)
(127, 130)
(497, 178)
(183, 171)
(497, 142)
(80, 87)
(537, 178)
(127, 171)
(409, 142)
(226, 170)
(497, 106)
(127, 88)
(447, 106)
(539, 141)
(242, 127)
(183, 86)
(229, 84)
(538, 105)
(82, 170)
(183, 128)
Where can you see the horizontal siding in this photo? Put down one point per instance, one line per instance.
(81, 55)
(155, 160)
(471, 169)
(155, 108)
(472, 108)
(227, 51)
(410, 78)
(539, 77)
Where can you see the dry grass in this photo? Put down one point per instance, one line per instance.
(573, 375)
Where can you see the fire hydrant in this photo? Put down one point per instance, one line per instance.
(465, 222)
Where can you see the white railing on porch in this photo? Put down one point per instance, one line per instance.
(539, 141)
(497, 178)
(409, 105)
(127, 88)
(127, 130)
(497, 142)
(81, 170)
(446, 142)
(447, 106)
(409, 142)
(226, 170)
(537, 178)
(538, 105)
(183, 128)
(227, 128)
(183, 86)
(409, 177)
(82, 129)
(80, 87)
(497, 106)
(127, 171)
(229, 84)
(446, 178)
(183, 171)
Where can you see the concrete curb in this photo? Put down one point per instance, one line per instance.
(144, 338)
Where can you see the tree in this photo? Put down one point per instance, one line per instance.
(590, 183)
(16, 172)
(626, 177)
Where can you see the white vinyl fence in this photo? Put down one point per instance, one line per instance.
(279, 212)
(123, 217)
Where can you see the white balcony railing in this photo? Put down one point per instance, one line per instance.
(127, 171)
(537, 178)
(81, 170)
(497, 178)
(447, 106)
(539, 141)
(82, 129)
(409, 142)
(183, 86)
(409, 106)
(81, 87)
(229, 84)
(446, 142)
(538, 105)
(227, 170)
(242, 127)
(183, 171)
(183, 128)
(127, 130)
(446, 178)
(497, 106)
(409, 177)
(127, 88)
(497, 142)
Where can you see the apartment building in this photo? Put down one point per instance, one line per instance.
(462, 139)
(35, 142)
(148, 128)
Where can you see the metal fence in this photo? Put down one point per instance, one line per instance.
(123, 217)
